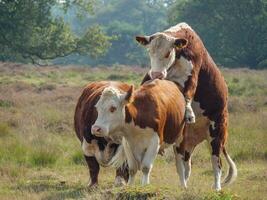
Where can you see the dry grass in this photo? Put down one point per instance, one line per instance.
(40, 156)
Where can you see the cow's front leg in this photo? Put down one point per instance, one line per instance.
(148, 159)
(93, 165)
(93, 170)
(189, 113)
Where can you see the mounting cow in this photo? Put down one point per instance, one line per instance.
(148, 119)
(178, 54)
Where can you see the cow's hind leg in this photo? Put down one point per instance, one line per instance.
(180, 167)
(187, 163)
(122, 175)
(148, 159)
(218, 134)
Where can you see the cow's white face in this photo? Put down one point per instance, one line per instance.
(111, 112)
(161, 48)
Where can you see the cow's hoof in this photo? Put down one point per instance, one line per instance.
(216, 188)
(190, 116)
(119, 181)
(190, 120)
(92, 185)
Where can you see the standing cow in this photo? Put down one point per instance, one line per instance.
(97, 150)
(148, 119)
(178, 54)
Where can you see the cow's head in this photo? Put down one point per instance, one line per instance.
(161, 48)
(111, 111)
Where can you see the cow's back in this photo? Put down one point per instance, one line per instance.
(162, 108)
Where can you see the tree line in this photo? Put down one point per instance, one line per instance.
(102, 31)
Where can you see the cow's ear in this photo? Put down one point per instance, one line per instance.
(143, 40)
(128, 97)
(180, 43)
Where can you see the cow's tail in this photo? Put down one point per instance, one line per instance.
(232, 170)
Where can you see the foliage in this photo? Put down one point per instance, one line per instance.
(29, 32)
(123, 19)
(235, 32)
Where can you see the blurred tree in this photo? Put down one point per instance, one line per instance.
(234, 31)
(29, 31)
(124, 19)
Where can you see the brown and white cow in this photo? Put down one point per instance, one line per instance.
(97, 150)
(178, 54)
(148, 119)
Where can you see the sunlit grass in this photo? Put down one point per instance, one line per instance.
(41, 158)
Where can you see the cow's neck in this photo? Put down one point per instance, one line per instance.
(180, 71)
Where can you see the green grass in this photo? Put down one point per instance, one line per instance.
(41, 158)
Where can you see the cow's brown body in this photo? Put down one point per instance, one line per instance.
(85, 116)
(206, 86)
(148, 119)
(158, 105)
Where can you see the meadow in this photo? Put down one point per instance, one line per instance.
(41, 158)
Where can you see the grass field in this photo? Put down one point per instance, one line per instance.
(41, 158)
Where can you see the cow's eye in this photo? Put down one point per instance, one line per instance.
(167, 54)
(112, 109)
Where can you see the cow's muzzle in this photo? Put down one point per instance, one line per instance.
(97, 131)
(157, 75)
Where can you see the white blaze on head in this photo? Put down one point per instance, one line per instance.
(110, 111)
(161, 48)
(162, 54)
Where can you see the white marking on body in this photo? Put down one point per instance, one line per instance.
(212, 124)
(189, 113)
(187, 166)
(88, 148)
(180, 167)
(141, 147)
(178, 27)
(92, 149)
(180, 71)
(215, 160)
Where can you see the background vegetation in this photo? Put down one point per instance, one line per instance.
(41, 158)
(102, 31)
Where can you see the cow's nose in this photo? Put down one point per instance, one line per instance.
(158, 75)
(95, 129)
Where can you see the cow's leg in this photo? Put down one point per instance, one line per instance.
(148, 159)
(93, 170)
(132, 173)
(93, 165)
(180, 167)
(218, 134)
(122, 175)
(187, 163)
